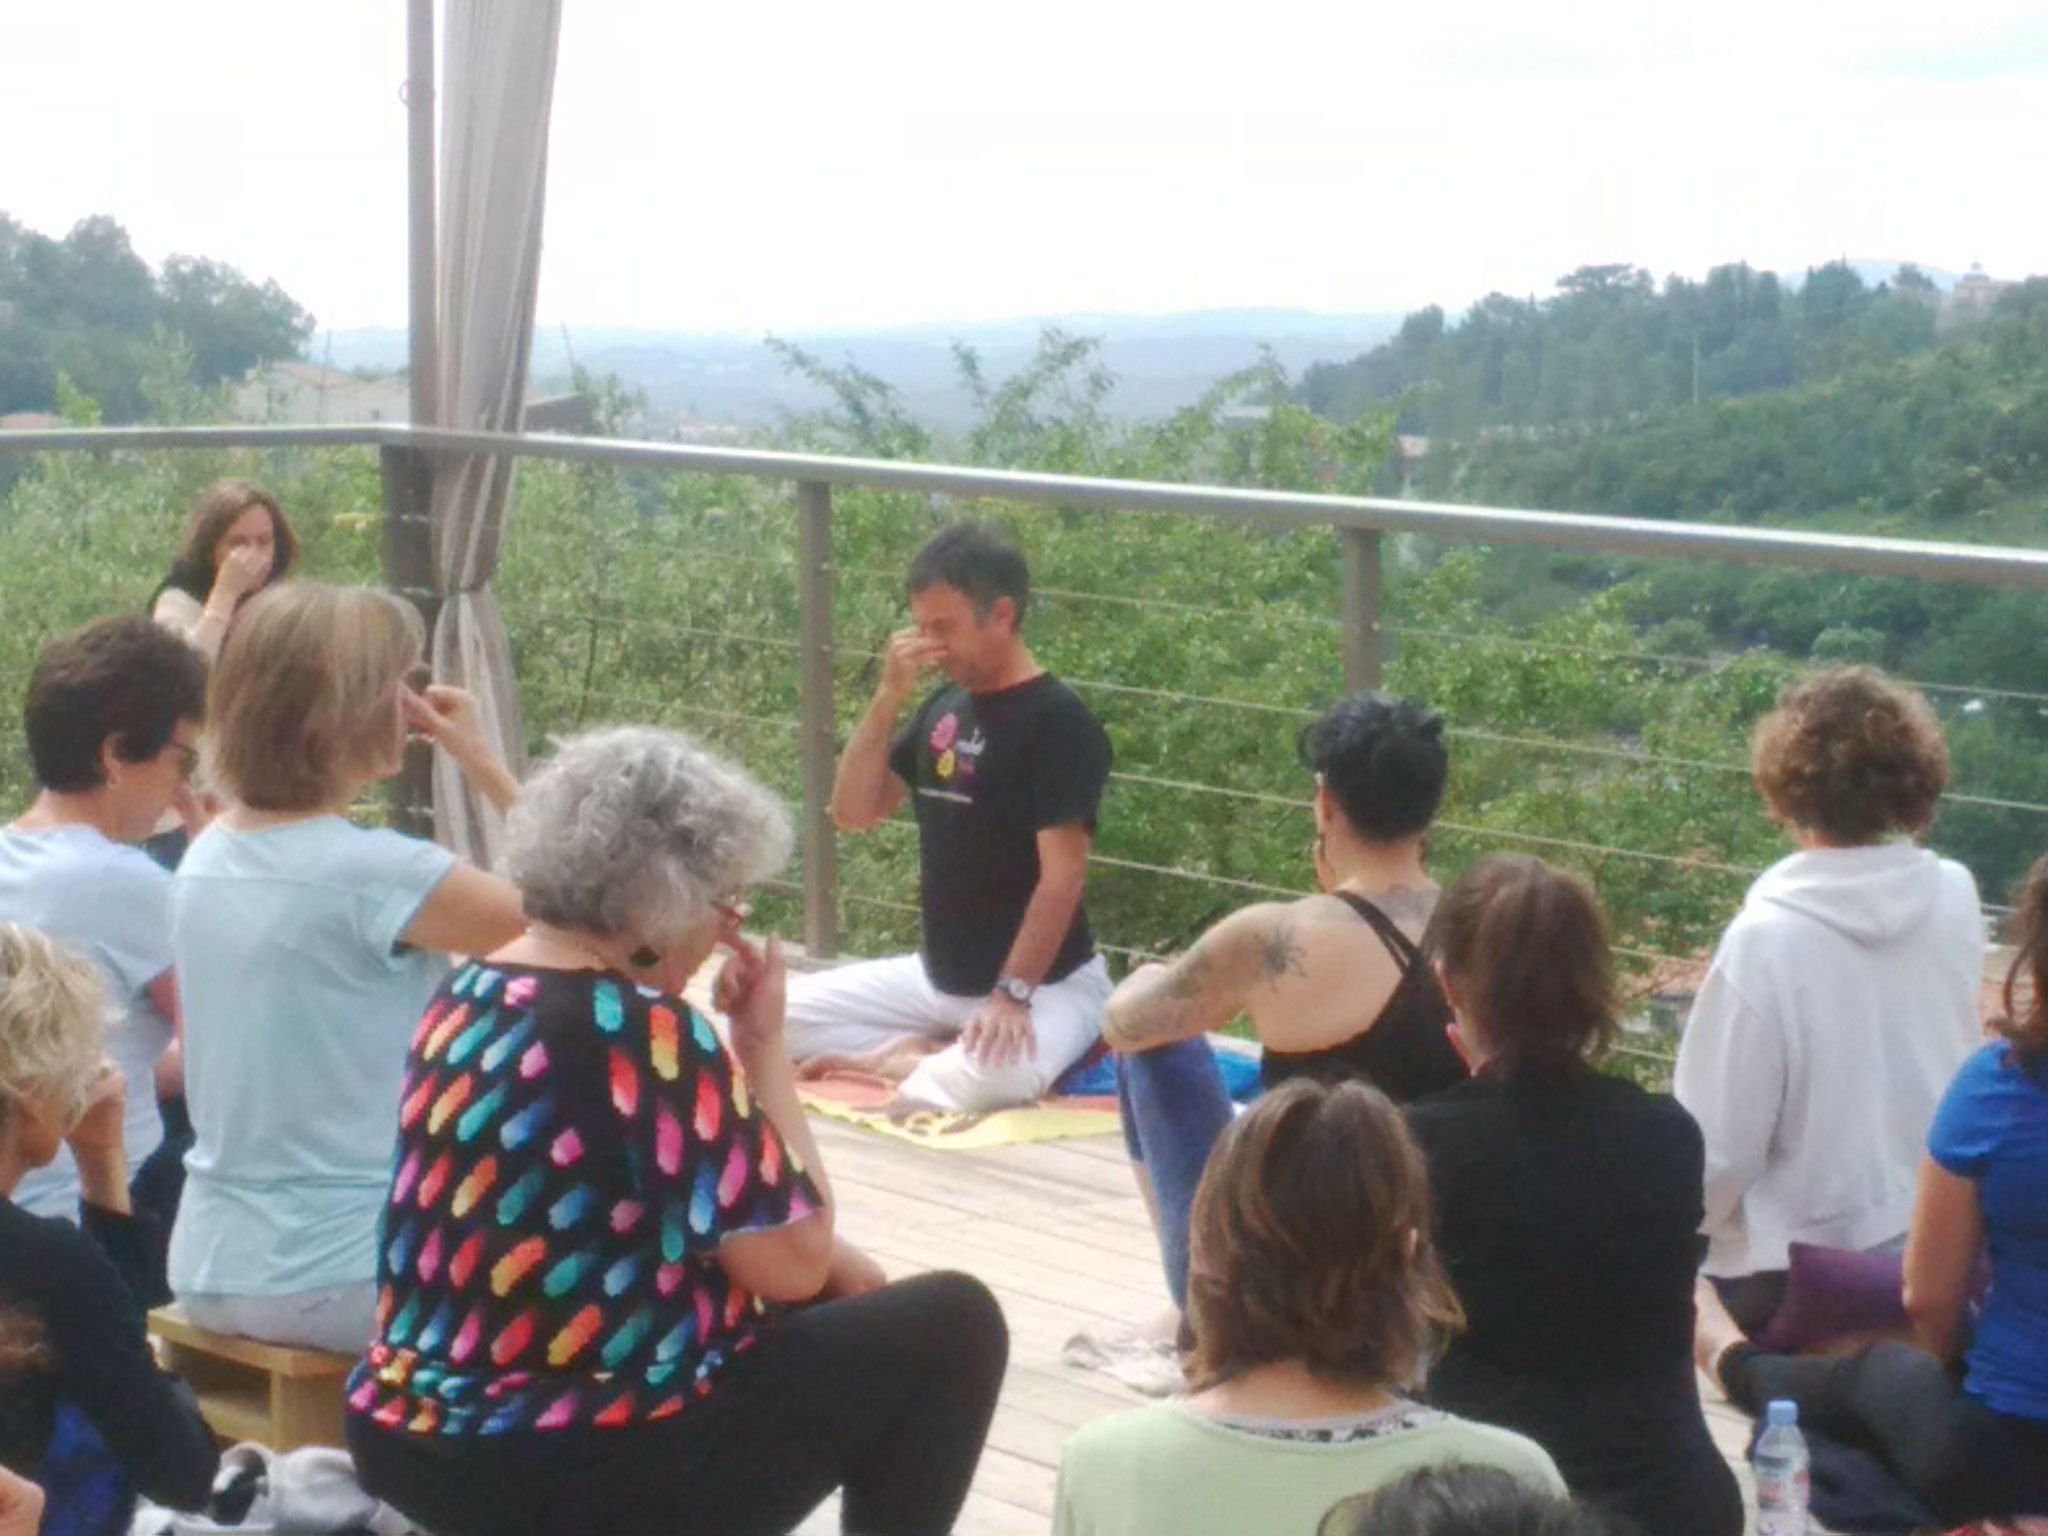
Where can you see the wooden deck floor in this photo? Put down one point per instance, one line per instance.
(1057, 1231)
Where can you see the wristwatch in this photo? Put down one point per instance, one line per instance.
(1018, 992)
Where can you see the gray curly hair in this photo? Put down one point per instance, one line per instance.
(51, 1001)
(635, 832)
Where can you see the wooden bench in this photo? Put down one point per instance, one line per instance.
(274, 1394)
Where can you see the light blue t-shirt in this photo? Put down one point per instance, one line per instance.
(299, 1006)
(1992, 1128)
(111, 903)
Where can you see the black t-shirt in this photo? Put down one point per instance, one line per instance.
(987, 773)
(1568, 1220)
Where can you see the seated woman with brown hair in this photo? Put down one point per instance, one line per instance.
(1568, 1210)
(604, 1220)
(1842, 998)
(1315, 1297)
(72, 1346)
(236, 544)
(306, 947)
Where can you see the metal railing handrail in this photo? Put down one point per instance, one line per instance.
(409, 454)
(1996, 565)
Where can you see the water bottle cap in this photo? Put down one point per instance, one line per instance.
(1782, 1411)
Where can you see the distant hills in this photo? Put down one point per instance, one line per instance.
(1160, 362)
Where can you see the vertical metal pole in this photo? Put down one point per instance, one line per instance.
(424, 357)
(409, 571)
(818, 725)
(1364, 661)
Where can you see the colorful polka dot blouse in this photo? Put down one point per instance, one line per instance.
(571, 1151)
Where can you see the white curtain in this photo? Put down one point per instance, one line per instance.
(498, 86)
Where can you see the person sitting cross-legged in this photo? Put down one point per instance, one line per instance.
(1841, 999)
(1003, 768)
(1334, 985)
(1977, 1449)
(1315, 1298)
(605, 1223)
(1568, 1210)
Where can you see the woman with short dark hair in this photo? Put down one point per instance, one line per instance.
(113, 716)
(1464, 1501)
(605, 1222)
(1841, 999)
(1568, 1208)
(1315, 1299)
(1334, 985)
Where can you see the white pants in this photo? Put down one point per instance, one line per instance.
(855, 1010)
(341, 1320)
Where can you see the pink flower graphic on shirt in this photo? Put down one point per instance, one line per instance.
(944, 732)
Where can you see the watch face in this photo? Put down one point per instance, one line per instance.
(1016, 991)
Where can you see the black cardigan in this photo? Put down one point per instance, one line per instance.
(1568, 1217)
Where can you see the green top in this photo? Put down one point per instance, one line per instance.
(1169, 1471)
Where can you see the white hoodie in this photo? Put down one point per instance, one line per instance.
(1841, 1001)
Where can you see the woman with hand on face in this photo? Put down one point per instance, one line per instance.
(604, 1221)
(236, 544)
(71, 1329)
(306, 947)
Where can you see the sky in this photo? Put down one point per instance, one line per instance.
(813, 165)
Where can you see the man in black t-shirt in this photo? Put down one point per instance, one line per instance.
(1004, 769)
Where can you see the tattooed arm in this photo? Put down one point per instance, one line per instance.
(1208, 986)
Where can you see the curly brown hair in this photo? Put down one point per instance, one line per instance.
(1310, 1241)
(2024, 1019)
(1851, 756)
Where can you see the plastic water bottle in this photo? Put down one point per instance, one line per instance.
(1782, 1471)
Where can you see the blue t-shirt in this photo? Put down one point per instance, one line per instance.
(111, 904)
(299, 1005)
(1992, 1128)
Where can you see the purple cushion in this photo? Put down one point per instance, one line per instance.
(1833, 1292)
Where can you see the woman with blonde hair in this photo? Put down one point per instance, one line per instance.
(306, 948)
(236, 544)
(73, 1342)
(1315, 1299)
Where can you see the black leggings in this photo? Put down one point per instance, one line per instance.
(886, 1395)
(1962, 1459)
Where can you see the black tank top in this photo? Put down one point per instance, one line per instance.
(1404, 1052)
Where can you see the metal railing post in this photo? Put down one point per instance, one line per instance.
(817, 734)
(409, 572)
(1364, 660)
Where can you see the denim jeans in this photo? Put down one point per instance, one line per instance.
(1174, 1107)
